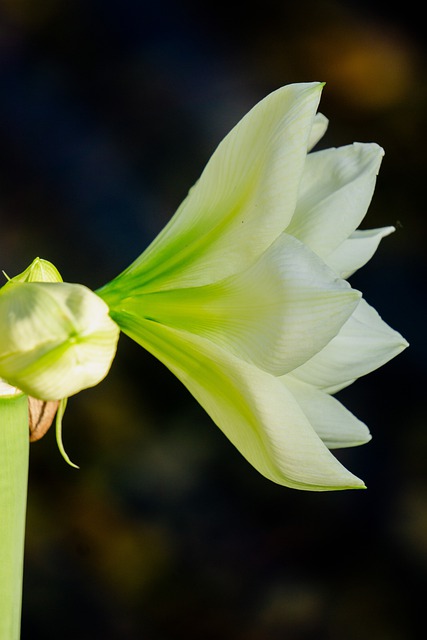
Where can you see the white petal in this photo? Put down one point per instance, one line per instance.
(336, 189)
(318, 130)
(253, 408)
(7, 390)
(277, 314)
(243, 200)
(355, 252)
(364, 343)
(333, 423)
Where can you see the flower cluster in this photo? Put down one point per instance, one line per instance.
(243, 295)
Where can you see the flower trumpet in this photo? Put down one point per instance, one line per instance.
(243, 294)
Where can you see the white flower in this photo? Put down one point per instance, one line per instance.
(242, 294)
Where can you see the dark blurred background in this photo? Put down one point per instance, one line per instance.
(108, 112)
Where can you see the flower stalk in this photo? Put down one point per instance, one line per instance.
(14, 454)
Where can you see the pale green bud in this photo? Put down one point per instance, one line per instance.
(39, 271)
(55, 338)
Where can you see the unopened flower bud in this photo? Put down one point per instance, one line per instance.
(40, 270)
(55, 338)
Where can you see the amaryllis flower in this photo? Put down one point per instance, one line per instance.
(243, 294)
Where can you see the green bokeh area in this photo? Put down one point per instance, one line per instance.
(109, 112)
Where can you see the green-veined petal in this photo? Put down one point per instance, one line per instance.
(333, 423)
(336, 189)
(356, 251)
(276, 314)
(40, 270)
(252, 407)
(364, 343)
(243, 200)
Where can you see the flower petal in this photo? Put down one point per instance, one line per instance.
(333, 423)
(7, 390)
(356, 251)
(318, 130)
(276, 314)
(253, 408)
(39, 271)
(336, 189)
(364, 343)
(241, 203)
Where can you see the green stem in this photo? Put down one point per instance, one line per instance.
(14, 453)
